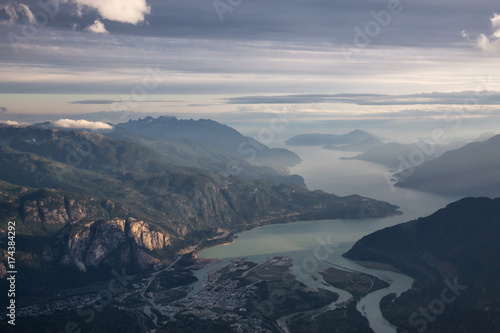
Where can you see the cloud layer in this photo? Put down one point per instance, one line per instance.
(70, 123)
(16, 11)
(437, 98)
(282, 51)
(94, 101)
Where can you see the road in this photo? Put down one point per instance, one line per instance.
(150, 300)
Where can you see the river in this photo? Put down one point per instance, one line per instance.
(317, 245)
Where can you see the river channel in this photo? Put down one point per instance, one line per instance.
(316, 245)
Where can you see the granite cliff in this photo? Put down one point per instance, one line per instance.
(90, 200)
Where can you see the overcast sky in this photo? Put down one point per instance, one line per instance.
(342, 57)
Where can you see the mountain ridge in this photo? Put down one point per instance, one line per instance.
(316, 139)
(211, 133)
(456, 246)
(114, 180)
(473, 170)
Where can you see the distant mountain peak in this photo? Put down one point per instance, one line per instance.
(473, 170)
(317, 139)
(210, 136)
(358, 131)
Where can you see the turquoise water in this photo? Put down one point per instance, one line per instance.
(316, 245)
(323, 169)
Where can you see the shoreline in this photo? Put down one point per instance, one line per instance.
(379, 266)
(285, 219)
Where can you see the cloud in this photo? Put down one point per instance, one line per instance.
(439, 113)
(94, 101)
(16, 11)
(455, 98)
(3, 109)
(109, 101)
(491, 44)
(10, 11)
(69, 123)
(28, 13)
(125, 11)
(10, 122)
(97, 28)
(495, 21)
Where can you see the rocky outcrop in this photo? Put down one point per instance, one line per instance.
(121, 204)
(114, 242)
(48, 207)
(51, 210)
(143, 236)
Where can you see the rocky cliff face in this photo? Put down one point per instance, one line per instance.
(53, 209)
(42, 208)
(143, 236)
(93, 232)
(120, 204)
(112, 242)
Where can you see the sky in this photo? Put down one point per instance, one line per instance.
(238, 59)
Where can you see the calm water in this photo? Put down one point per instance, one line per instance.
(323, 169)
(306, 242)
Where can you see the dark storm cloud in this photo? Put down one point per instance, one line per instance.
(297, 24)
(457, 98)
(416, 23)
(3, 109)
(193, 29)
(280, 39)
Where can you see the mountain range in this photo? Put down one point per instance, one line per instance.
(210, 135)
(364, 145)
(395, 154)
(84, 201)
(316, 139)
(473, 170)
(454, 256)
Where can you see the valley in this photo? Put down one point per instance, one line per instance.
(258, 280)
(233, 166)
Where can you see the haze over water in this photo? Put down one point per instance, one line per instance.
(305, 241)
(323, 169)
